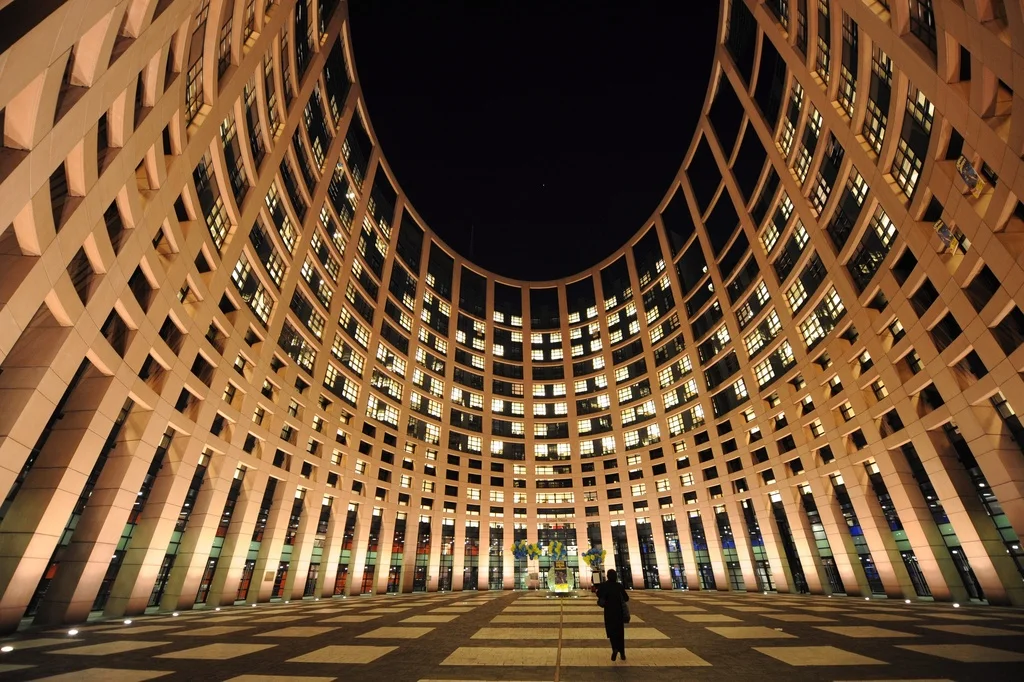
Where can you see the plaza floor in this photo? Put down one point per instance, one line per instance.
(527, 637)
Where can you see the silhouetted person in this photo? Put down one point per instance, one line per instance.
(611, 596)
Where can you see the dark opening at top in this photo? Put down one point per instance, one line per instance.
(534, 137)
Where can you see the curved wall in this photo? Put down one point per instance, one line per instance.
(234, 365)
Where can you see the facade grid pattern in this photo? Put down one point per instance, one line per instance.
(235, 366)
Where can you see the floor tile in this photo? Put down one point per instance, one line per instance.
(278, 619)
(396, 633)
(502, 656)
(11, 667)
(37, 643)
(863, 631)
(297, 631)
(218, 651)
(351, 618)
(452, 609)
(707, 618)
(108, 648)
(749, 632)
(638, 657)
(227, 619)
(680, 609)
(598, 634)
(400, 609)
(799, 618)
(107, 675)
(554, 618)
(816, 655)
(973, 630)
(139, 629)
(344, 654)
(279, 678)
(752, 609)
(213, 631)
(429, 619)
(966, 653)
(882, 617)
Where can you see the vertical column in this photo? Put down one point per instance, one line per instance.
(152, 534)
(236, 544)
(412, 534)
(933, 556)
(843, 552)
(459, 555)
(686, 548)
(782, 572)
(33, 524)
(744, 552)
(269, 557)
(71, 593)
(385, 540)
(331, 556)
(884, 553)
(360, 542)
(803, 543)
(661, 555)
(434, 567)
(197, 541)
(1000, 457)
(302, 547)
(978, 537)
(484, 556)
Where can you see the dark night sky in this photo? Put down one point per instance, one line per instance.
(553, 127)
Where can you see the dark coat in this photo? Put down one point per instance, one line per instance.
(614, 594)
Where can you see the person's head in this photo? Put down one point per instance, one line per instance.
(613, 577)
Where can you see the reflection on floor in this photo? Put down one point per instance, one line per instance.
(527, 636)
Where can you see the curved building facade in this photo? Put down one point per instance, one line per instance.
(236, 366)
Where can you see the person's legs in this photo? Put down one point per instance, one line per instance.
(619, 643)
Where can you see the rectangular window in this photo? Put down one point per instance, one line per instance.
(194, 91)
(922, 22)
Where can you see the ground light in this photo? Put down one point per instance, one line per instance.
(72, 632)
(128, 621)
(7, 649)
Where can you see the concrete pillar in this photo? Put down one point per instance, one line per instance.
(84, 563)
(152, 534)
(235, 549)
(197, 540)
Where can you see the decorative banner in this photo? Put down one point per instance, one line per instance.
(561, 577)
(975, 183)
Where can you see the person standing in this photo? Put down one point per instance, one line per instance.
(611, 596)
